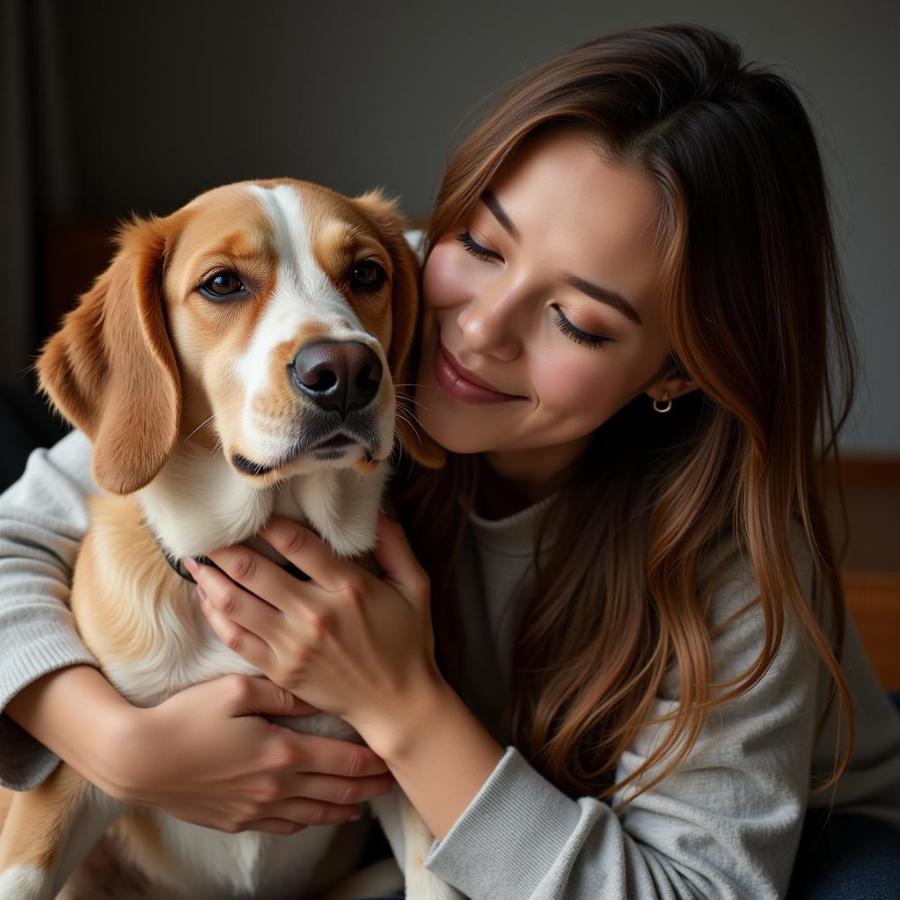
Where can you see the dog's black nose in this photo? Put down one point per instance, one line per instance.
(337, 375)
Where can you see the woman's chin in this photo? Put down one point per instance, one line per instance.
(453, 437)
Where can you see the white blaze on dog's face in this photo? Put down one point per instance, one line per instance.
(281, 312)
(268, 318)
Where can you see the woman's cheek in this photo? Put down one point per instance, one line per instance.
(447, 279)
(577, 387)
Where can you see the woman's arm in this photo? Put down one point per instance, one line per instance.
(725, 824)
(206, 755)
(43, 518)
(232, 769)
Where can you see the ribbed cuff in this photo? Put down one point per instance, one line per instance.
(509, 836)
(24, 762)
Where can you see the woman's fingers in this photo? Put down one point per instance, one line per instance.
(397, 560)
(246, 586)
(254, 696)
(337, 790)
(319, 800)
(253, 573)
(290, 816)
(242, 621)
(275, 826)
(313, 812)
(251, 647)
(307, 551)
(332, 756)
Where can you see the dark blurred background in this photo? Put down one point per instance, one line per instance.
(114, 106)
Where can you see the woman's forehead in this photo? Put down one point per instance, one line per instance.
(576, 210)
(561, 180)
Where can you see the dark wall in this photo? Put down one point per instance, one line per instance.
(139, 105)
(167, 98)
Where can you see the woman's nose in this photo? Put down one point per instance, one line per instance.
(491, 322)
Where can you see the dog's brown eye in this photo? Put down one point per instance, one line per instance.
(223, 286)
(366, 276)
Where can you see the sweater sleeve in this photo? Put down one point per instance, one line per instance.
(725, 824)
(43, 518)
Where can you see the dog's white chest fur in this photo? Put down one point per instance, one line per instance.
(198, 502)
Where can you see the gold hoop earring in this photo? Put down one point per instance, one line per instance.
(664, 405)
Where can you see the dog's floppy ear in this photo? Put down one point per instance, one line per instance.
(406, 326)
(111, 369)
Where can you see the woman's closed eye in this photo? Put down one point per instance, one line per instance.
(476, 249)
(584, 338)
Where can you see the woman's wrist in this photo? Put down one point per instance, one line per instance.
(78, 715)
(390, 730)
(437, 750)
(127, 737)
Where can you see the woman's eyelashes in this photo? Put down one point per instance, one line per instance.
(576, 334)
(584, 338)
(476, 249)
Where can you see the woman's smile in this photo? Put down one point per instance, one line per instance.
(459, 383)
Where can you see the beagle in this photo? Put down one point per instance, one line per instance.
(237, 358)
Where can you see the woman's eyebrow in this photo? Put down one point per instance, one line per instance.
(604, 295)
(491, 202)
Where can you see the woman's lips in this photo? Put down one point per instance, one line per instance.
(452, 380)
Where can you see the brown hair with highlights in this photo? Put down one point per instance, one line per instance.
(753, 304)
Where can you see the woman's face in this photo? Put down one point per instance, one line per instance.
(546, 293)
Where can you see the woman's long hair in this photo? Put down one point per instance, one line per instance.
(753, 304)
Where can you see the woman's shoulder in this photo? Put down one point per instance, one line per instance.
(729, 584)
(54, 476)
(796, 684)
(742, 634)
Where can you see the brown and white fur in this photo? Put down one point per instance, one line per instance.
(198, 428)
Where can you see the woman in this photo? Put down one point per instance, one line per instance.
(639, 674)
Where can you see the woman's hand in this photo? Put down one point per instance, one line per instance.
(206, 755)
(350, 643)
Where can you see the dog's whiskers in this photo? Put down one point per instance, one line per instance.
(189, 436)
(403, 409)
(411, 425)
(205, 421)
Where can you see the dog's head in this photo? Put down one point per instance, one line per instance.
(276, 319)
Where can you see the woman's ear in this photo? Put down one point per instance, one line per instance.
(670, 387)
(111, 370)
(406, 326)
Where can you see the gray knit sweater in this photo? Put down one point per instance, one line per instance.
(725, 824)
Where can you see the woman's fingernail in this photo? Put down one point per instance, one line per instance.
(190, 565)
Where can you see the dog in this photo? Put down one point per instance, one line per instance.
(237, 358)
